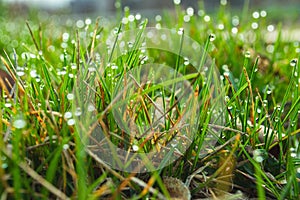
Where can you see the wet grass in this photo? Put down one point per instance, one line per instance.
(45, 124)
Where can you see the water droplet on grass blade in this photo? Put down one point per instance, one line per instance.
(247, 54)
(186, 61)
(66, 146)
(19, 123)
(200, 13)
(131, 18)
(138, 16)
(65, 37)
(71, 122)
(293, 124)
(70, 96)
(270, 48)
(92, 69)
(62, 73)
(114, 67)
(225, 68)
(115, 30)
(158, 26)
(221, 26)
(226, 74)
(234, 30)
(258, 110)
(278, 107)
(4, 165)
(254, 25)
(180, 31)
(67, 115)
(186, 18)
(78, 112)
(135, 147)
(259, 155)
(38, 79)
(73, 66)
(125, 20)
(255, 15)
(130, 44)
(293, 152)
(263, 13)
(270, 28)
(20, 73)
(223, 2)
(163, 37)
(265, 103)
(7, 105)
(258, 159)
(206, 18)
(176, 2)
(91, 108)
(227, 99)
(158, 18)
(212, 37)
(117, 4)
(80, 24)
(33, 73)
(150, 34)
(88, 21)
(190, 11)
(293, 62)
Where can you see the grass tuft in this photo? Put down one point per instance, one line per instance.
(75, 80)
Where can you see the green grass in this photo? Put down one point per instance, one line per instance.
(56, 62)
